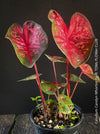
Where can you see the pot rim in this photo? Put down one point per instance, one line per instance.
(50, 129)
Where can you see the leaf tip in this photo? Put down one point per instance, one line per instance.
(52, 15)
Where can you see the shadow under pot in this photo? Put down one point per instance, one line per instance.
(38, 129)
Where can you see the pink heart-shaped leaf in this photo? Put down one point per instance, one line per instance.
(75, 41)
(29, 41)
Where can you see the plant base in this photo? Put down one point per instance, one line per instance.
(44, 130)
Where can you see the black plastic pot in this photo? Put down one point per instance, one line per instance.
(41, 130)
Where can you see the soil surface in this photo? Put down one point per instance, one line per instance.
(56, 122)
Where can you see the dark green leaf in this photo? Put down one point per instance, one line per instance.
(65, 100)
(56, 58)
(48, 88)
(73, 78)
(58, 85)
(31, 77)
(87, 70)
(94, 77)
(51, 103)
(64, 110)
(65, 104)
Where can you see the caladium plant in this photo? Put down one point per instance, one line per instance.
(29, 42)
(75, 42)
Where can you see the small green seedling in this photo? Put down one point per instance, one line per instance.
(61, 127)
(37, 99)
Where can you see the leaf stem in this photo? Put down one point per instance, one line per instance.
(55, 75)
(38, 80)
(56, 96)
(36, 102)
(48, 97)
(68, 77)
(75, 86)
